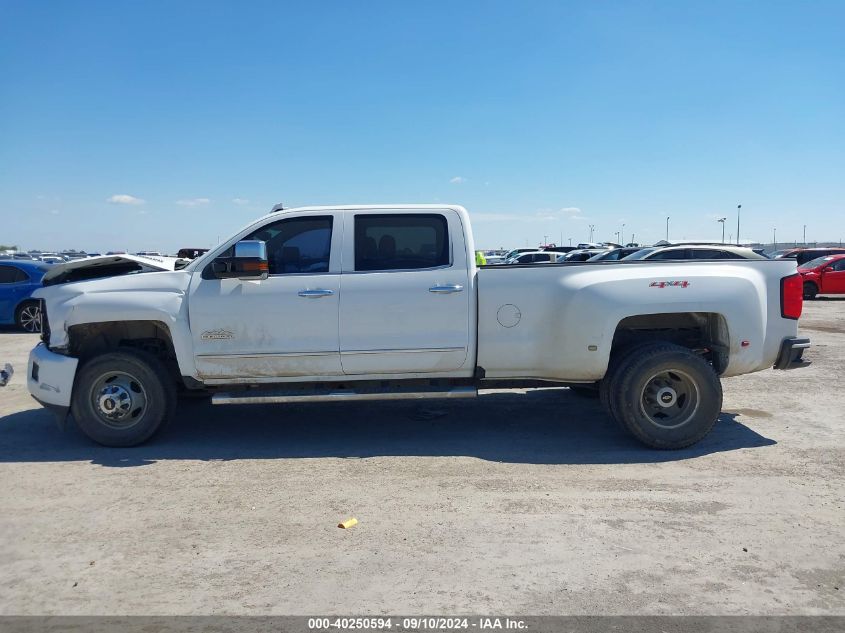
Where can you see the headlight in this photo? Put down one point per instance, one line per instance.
(45, 324)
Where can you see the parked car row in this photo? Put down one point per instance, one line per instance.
(804, 255)
(615, 252)
(822, 269)
(50, 257)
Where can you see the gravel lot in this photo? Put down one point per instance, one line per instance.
(521, 502)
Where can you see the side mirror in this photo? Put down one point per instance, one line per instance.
(248, 262)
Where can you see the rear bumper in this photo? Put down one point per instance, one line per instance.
(791, 353)
(49, 376)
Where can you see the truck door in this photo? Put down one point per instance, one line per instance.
(285, 325)
(405, 293)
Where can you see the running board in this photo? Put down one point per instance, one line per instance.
(255, 396)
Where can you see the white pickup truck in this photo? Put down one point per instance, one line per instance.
(386, 302)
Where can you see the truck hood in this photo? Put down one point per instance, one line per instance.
(105, 266)
(152, 296)
(154, 281)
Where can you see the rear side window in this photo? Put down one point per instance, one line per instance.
(401, 242)
(12, 275)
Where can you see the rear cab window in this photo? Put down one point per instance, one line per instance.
(406, 241)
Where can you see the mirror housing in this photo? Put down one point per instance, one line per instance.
(248, 262)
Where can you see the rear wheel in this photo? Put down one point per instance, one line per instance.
(606, 386)
(28, 316)
(666, 396)
(810, 290)
(122, 398)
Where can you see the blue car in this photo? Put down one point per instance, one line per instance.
(18, 280)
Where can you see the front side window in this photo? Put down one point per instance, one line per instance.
(839, 266)
(296, 245)
(401, 242)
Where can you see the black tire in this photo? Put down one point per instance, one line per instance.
(28, 316)
(810, 290)
(666, 396)
(122, 398)
(585, 391)
(606, 385)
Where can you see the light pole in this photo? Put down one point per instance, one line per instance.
(592, 228)
(622, 235)
(545, 240)
(805, 235)
(667, 228)
(722, 221)
(617, 236)
(775, 239)
(632, 239)
(738, 210)
(570, 241)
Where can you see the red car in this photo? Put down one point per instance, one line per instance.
(823, 276)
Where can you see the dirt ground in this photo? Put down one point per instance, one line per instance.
(520, 502)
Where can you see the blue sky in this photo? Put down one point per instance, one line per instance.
(160, 124)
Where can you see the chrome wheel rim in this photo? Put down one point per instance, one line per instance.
(670, 399)
(30, 318)
(119, 399)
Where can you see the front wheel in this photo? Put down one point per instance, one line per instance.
(666, 396)
(122, 398)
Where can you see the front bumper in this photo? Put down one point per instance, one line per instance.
(791, 353)
(49, 376)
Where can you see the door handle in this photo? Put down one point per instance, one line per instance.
(315, 294)
(447, 289)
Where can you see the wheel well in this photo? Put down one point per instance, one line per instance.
(703, 332)
(91, 339)
(24, 302)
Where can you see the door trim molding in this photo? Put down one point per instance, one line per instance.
(267, 355)
(419, 350)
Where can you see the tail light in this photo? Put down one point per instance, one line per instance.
(791, 296)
